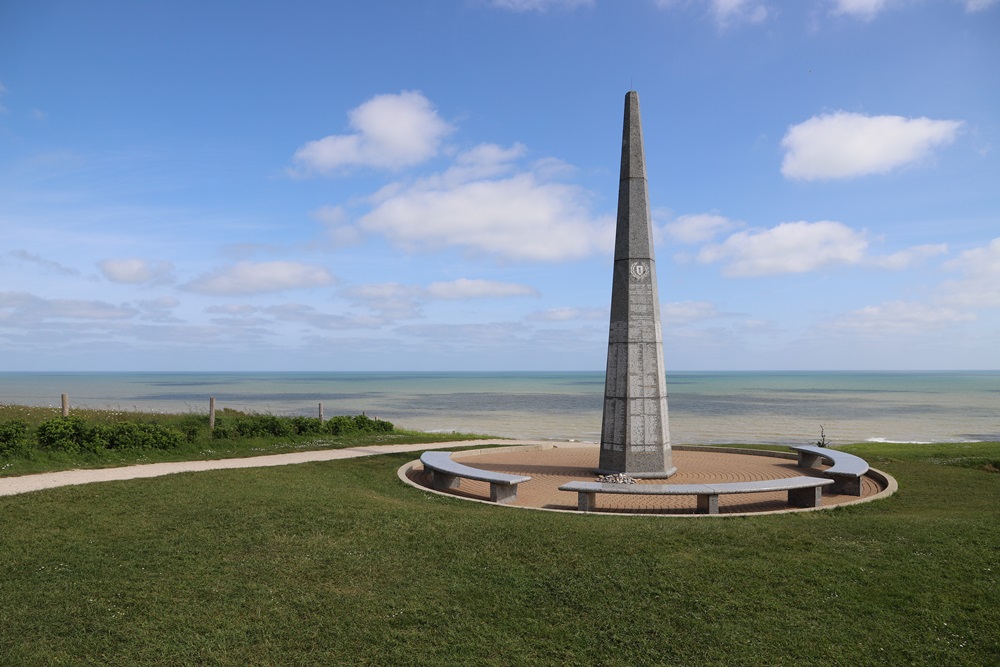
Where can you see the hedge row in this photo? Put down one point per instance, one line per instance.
(73, 434)
(234, 426)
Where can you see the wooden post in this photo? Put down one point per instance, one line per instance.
(65, 405)
(211, 413)
(321, 412)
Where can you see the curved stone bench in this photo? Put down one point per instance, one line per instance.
(802, 491)
(846, 469)
(448, 474)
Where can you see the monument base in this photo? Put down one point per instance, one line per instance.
(639, 475)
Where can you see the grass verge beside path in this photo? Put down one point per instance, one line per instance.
(340, 563)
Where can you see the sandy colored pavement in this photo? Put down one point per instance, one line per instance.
(10, 486)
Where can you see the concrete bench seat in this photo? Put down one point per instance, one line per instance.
(846, 469)
(448, 474)
(802, 491)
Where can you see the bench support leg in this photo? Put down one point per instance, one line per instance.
(809, 497)
(808, 459)
(848, 485)
(503, 493)
(442, 482)
(708, 503)
(586, 502)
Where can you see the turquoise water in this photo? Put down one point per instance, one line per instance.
(705, 408)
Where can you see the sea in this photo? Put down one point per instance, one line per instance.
(704, 407)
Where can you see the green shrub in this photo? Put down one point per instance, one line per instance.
(192, 426)
(225, 429)
(234, 425)
(62, 434)
(12, 437)
(238, 425)
(271, 425)
(73, 435)
(360, 423)
(137, 435)
(307, 425)
(98, 438)
(339, 425)
(366, 424)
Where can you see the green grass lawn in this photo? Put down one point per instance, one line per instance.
(341, 563)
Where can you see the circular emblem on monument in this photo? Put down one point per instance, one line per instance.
(639, 271)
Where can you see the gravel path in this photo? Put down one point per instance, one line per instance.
(10, 486)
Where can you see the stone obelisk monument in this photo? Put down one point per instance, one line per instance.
(635, 437)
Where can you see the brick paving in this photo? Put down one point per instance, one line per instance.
(549, 468)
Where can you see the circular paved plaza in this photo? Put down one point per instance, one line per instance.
(553, 465)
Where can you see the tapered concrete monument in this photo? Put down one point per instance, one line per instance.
(635, 435)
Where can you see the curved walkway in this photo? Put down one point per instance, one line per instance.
(11, 486)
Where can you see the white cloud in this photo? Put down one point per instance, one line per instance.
(517, 218)
(135, 271)
(310, 316)
(791, 247)
(860, 9)
(21, 309)
(725, 13)
(844, 145)
(232, 309)
(980, 284)
(46, 264)
(160, 303)
(552, 168)
(260, 277)
(391, 132)
(866, 10)
(685, 312)
(159, 309)
(568, 314)
(540, 5)
(484, 203)
(895, 317)
(338, 230)
(483, 161)
(248, 316)
(978, 5)
(699, 227)
(910, 257)
(393, 301)
(330, 215)
(464, 288)
(729, 12)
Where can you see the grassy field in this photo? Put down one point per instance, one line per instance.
(340, 563)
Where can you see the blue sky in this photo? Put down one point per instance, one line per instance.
(432, 185)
